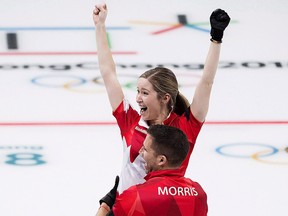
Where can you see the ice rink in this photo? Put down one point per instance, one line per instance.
(60, 147)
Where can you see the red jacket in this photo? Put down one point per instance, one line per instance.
(165, 193)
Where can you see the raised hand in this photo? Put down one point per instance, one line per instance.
(100, 14)
(219, 20)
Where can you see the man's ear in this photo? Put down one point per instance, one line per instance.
(162, 160)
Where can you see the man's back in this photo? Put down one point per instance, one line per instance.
(165, 192)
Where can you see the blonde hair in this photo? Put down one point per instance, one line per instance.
(164, 82)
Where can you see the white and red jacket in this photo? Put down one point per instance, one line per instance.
(133, 131)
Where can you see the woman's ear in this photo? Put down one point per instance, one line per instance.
(166, 98)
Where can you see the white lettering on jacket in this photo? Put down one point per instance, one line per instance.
(141, 130)
(177, 191)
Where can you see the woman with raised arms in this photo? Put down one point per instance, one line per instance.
(158, 97)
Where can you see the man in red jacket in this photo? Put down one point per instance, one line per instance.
(166, 191)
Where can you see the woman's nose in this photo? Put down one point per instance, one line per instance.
(138, 98)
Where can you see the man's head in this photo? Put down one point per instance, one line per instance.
(165, 147)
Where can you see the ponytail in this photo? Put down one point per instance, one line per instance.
(181, 104)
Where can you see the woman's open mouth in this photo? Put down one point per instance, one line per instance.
(142, 110)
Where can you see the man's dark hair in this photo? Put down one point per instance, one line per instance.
(171, 142)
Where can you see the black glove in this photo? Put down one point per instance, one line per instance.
(110, 197)
(219, 20)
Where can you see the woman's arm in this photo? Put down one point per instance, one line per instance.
(219, 20)
(200, 103)
(105, 59)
